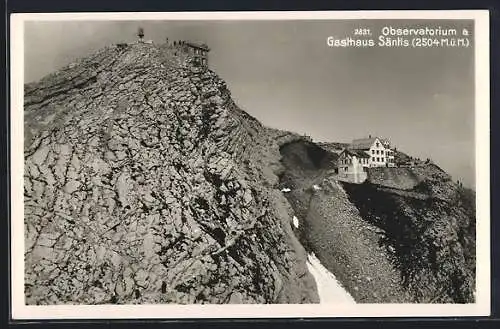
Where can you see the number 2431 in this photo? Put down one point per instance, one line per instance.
(362, 31)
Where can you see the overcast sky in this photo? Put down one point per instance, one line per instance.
(283, 73)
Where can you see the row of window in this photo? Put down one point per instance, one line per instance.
(365, 160)
(349, 161)
(197, 51)
(381, 152)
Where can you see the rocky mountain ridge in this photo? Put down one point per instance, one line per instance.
(144, 182)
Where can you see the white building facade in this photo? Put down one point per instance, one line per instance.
(378, 149)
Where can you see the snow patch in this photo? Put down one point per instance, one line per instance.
(316, 187)
(285, 189)
(329, 289)
(295, 221)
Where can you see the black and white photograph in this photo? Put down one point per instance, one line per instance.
(322, 164)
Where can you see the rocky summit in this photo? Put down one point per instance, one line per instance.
(145, 183)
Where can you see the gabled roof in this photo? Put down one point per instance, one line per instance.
(366, 143)
(362, 143)
(198, 45)
(356, 153)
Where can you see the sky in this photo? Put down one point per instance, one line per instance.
(284, 74)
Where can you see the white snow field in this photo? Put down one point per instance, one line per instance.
(329, 289)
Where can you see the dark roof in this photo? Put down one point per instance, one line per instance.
(366, 143)
(198, 45)
(356, 153)
(362, 143)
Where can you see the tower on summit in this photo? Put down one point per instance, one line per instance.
(140, 33)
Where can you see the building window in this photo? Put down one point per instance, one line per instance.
(378, 144)
(373, 158)
(378, 159)
(373, 151)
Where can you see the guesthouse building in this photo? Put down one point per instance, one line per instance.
(378, 149)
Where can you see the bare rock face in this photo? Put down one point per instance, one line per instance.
(144, 183)
(406, 235)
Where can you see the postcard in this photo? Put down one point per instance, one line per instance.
(250, 164)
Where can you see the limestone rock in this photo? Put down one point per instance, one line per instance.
(137, 189)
